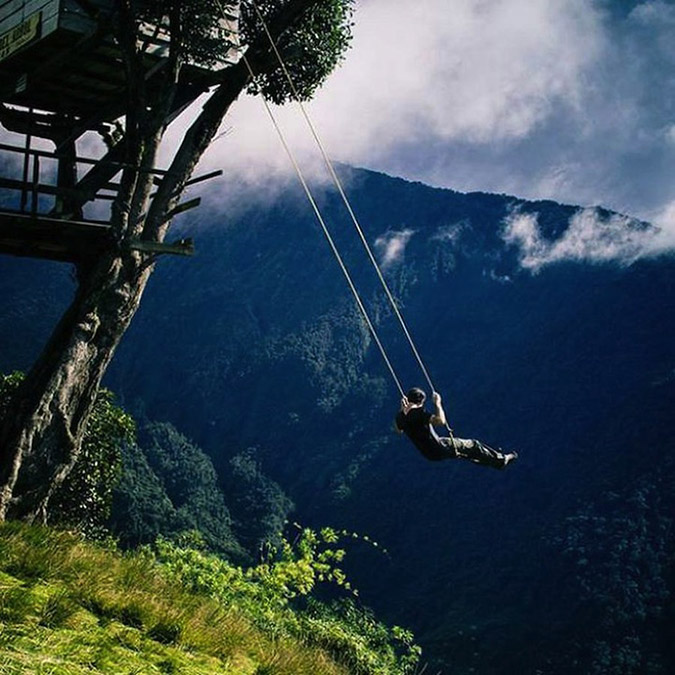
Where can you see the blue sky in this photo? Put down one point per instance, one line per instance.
(572, 100)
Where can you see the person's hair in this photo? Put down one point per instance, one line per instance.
(416, 396)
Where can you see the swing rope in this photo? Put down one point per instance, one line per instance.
(338, 184)
(350, 210)
(327, 234)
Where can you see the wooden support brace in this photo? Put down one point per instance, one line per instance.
(179, 247)
(118, 165)
(199, 179)
(203, 177)
(185, 206)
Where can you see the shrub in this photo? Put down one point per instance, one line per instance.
(276, 596)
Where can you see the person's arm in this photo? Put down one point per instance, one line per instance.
(405, 408)
(438, 418)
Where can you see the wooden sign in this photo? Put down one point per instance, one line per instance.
(20, 35)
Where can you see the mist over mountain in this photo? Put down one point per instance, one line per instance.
(544, 329)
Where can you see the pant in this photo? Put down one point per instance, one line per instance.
(474, 451)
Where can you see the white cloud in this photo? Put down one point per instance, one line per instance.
(499, 278)
(664, 218)
(391, 247)
(589, 237)
(571, 100)
(658, 19)
(422, 71)
(477, 71)
(450, 234)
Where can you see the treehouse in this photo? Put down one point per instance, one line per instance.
(62, 74)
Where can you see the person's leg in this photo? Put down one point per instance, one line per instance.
(478, 453)
(449, 448)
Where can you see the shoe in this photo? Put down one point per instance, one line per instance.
(510, 457)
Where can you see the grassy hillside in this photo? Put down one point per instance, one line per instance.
(68, 606)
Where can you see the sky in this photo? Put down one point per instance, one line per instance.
(571, 100)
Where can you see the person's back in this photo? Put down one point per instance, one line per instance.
(416, 425)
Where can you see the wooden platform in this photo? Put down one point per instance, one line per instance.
(40, 224)
(40, 236)
(62, 74)
(70, 241)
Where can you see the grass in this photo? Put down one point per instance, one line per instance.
(69, 607)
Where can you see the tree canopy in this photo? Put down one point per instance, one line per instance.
(200, 33)
(311, 51)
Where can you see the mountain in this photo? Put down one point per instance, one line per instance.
(255, 349)
(168, 487)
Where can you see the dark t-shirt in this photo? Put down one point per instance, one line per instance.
(417, 427)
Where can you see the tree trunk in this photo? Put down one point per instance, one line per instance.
(43, 430)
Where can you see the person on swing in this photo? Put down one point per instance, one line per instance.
(418, 425)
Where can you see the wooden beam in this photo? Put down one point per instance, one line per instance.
(41, 188)
(25, 122)
(80, 160)
(184, 247)
(203, 177)
(23, 219)
(198, 179)
(185, 206)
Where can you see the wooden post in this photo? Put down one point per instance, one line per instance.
(35, 194)
(26, 159)
(67, 178)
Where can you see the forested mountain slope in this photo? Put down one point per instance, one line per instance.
(255, 347)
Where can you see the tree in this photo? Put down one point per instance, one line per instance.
(169, 487)
(83, 500)
(258, 505)
(41, 437)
